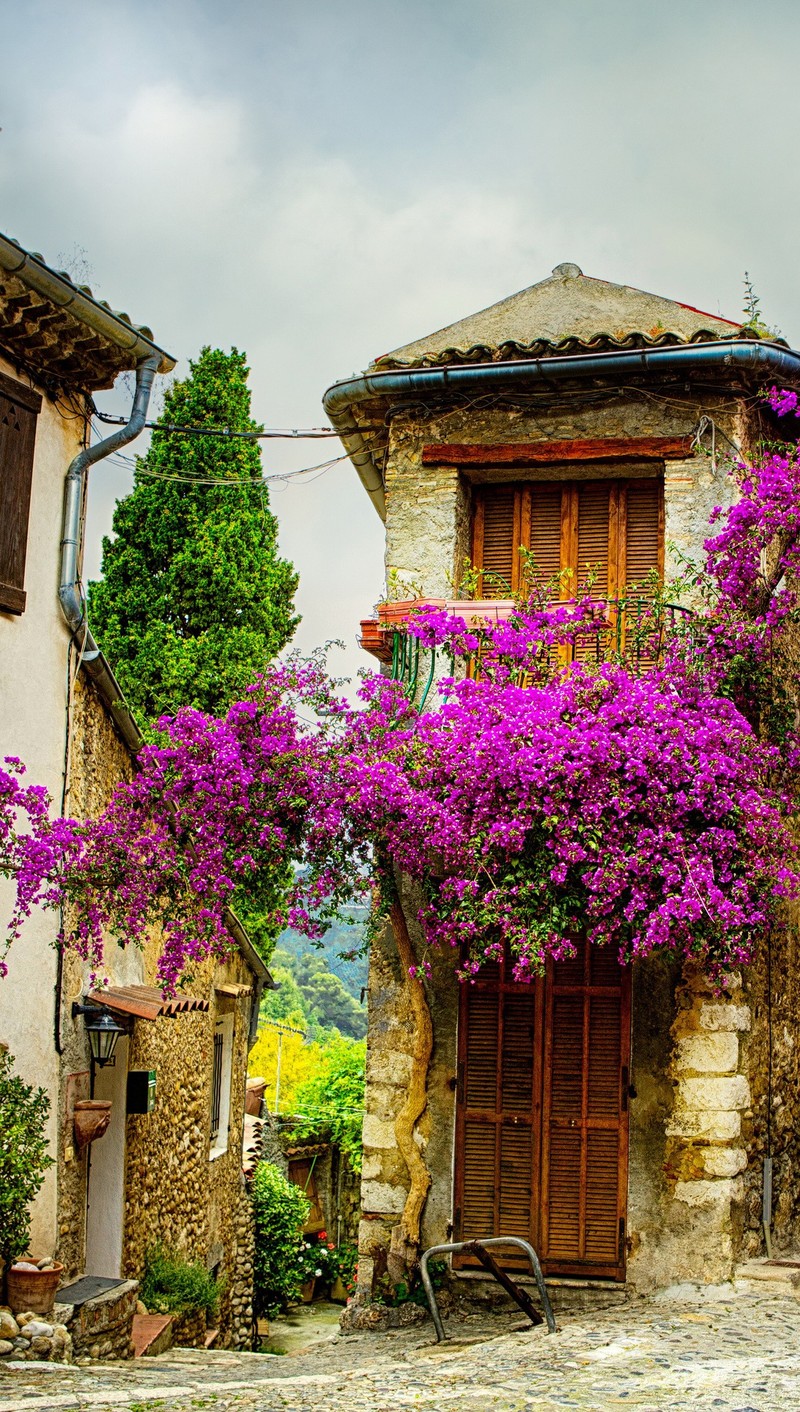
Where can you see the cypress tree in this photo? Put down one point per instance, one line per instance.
(195, 600)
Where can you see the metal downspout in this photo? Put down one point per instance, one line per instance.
(478, 379)
(73, 603)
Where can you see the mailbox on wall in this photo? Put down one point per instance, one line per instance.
(141, 1090)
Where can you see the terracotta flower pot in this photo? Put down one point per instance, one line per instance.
(90, 1119)
(33, 1291)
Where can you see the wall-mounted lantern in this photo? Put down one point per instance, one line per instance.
(103, 1031)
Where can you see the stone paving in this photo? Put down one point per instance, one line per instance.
(712, 1350)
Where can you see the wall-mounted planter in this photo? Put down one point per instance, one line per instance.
(91, 1118)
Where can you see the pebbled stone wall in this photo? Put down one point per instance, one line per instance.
(173, 1192)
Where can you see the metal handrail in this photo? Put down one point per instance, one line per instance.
(627, 620)
(476, 1246)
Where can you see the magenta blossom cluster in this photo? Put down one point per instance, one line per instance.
(549, 790)
(35, 848)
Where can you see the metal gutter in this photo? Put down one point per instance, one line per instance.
(32, 270)
(767, 360)
(70, 592)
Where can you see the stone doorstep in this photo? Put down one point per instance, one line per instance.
(782, 1273)
(558, 1281)
(151, 1334)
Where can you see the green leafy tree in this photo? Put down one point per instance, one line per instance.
(327, 998)
(332, 1100)
(195, 600)
(23, 1157)
(280, 1211)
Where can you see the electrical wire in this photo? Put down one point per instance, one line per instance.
(173, 429)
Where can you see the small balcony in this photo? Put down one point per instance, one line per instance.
(633, 630)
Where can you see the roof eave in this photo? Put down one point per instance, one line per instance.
(29, 268)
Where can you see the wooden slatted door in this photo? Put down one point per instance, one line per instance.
(498, 1111)
(541, 1131)
(585, 1115)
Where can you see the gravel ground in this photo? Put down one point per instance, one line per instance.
(710, 1350)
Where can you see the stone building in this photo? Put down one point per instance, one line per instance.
(618, 1118)
(173, 1173)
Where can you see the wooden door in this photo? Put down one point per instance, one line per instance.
(542, 1130)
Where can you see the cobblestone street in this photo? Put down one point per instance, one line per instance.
(726, 1351)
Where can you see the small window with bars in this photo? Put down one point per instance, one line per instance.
(221, 1084)
(216, 1083)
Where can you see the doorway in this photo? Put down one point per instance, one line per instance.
(542, 1111)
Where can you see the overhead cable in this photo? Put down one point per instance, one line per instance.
(282, 433)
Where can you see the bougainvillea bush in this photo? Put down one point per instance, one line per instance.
(645, 796)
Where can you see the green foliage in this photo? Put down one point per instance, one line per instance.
(280, 1211)
(327, 999)
(195, 600)
(172, 1285)
(332, 1100)
(312, 996)
(23, 1156)
(752, 316)
(411, 1291)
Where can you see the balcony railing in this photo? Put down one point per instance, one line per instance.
(635, 630)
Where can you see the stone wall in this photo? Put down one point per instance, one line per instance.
(174, 1194)
(697, 1112)
(771, 1061)
(384, 1183)
(428, 507)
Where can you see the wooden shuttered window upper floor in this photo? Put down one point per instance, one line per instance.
(609, 533)
(19, 408)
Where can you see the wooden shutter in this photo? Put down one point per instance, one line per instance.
(497, 1129)
(585, 1128)
(613, 528)
(18, 409)
(495, 541)
(593, 537)
(545, 532)
(644, 534)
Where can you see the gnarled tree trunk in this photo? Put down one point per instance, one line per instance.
(405, 1243)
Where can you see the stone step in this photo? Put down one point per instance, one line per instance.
(151, 1334)
(781, 1275)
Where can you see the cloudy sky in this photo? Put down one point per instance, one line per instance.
(318, 182)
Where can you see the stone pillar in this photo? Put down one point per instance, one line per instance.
(705, 1155)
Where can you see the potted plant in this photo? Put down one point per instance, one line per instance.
(23, 1162)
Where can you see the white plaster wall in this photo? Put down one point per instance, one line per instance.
(33, 694)
(106, 1198)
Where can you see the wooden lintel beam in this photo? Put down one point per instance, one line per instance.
(538, 453)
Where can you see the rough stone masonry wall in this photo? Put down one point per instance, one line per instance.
(98, 761)
(772, 1064)
(175, 1195)
(428, 508)
(698, 1227)
(385, 1179)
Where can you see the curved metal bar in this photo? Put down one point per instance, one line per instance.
(490, 1240)
(429, 682)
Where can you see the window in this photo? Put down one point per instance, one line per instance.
(614, 527)
(19, 407)
(221, 1084)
